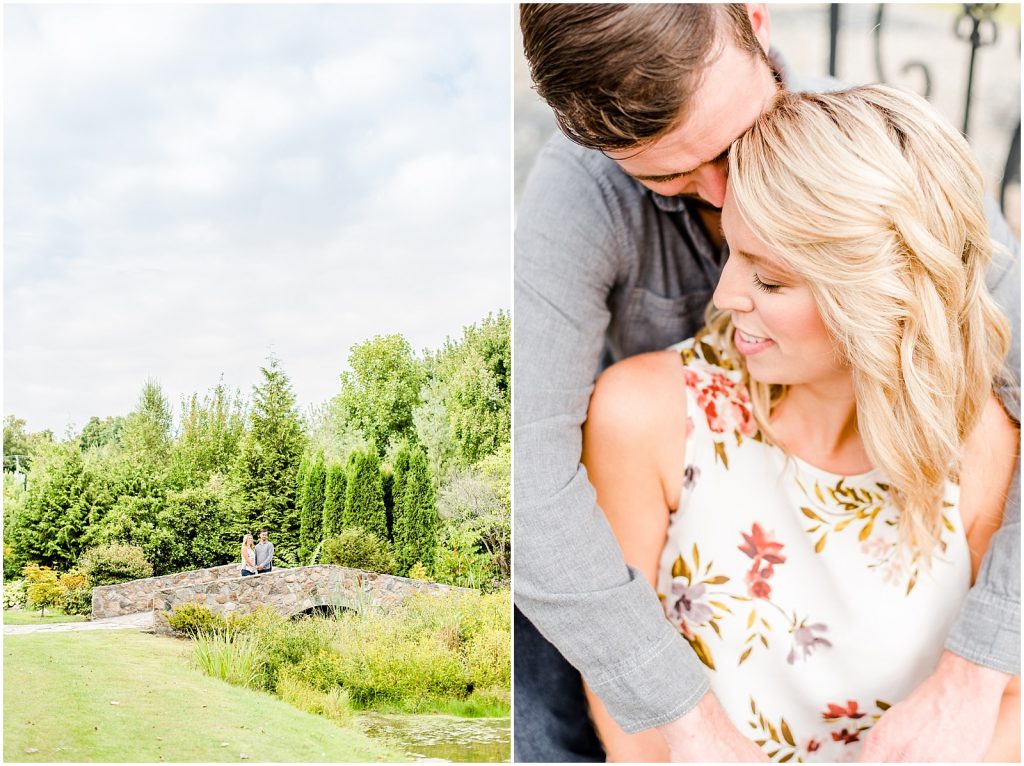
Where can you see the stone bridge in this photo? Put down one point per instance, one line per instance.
(288, 591)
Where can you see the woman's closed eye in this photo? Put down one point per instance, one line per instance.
(765, 286)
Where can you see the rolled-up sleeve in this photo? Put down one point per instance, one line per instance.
(570, 576)
(987, 631)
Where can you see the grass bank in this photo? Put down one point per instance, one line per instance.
(25, 617)
(433, 654)
(60, 690)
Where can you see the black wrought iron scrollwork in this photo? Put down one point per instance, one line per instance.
(976, 26)
(910, 66)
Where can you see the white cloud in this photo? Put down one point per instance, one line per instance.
(189, 188)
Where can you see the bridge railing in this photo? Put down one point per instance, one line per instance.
(137, 595)
(290, 591)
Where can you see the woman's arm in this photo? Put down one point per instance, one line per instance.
(633, 450)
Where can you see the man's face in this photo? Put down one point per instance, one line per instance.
(263, 537)
(690, 160)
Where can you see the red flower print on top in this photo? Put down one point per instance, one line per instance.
(719, 396)
(766, 553)
(835, 711)
(846, 736)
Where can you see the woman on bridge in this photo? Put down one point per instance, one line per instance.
(248, 557)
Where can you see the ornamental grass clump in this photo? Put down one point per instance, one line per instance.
(231, 657)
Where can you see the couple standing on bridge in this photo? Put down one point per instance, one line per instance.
(257, 559)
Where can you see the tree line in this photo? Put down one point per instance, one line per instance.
(411, 457)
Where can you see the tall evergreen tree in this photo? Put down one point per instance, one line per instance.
(212, 429)
(334, 500)
(267, 464)
(364, 495)
(416, 524)
(399, 472)
(312, 508)
(147, 429)
(50, 528)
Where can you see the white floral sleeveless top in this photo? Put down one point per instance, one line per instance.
(789, 584)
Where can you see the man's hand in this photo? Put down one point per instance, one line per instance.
(707, 734)
(951, 716)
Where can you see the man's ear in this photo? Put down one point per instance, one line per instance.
(761, 23)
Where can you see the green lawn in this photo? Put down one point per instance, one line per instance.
(60, 692)
(25, 617)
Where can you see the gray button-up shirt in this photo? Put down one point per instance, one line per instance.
(264, 555)
(605, 269)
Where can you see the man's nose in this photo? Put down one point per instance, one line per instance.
(711, 183)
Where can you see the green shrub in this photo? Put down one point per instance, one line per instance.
(288, 643)
(42, 589)
(75, 593)
(393, 668)
(489, 659)
(458, 561)
(357, 548)
(194, 619)
(418, 572)
(322, 670)
(333, 704)
(15, 594)
(112, 564)
(231, 657)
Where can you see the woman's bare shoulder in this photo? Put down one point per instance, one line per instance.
(639, 390)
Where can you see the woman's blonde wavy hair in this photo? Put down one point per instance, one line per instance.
(873, 199)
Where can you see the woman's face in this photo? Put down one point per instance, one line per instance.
(778, 327)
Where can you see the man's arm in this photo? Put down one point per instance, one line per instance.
(570, 577)
(987, 632)
(983, 649)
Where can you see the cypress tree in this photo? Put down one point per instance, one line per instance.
(312, 511)
(417, 524)
(364, 495)
(400, 471)
(334, 500)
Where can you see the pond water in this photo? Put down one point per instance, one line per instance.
(446, 737)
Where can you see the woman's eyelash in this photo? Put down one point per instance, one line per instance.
(764, 286)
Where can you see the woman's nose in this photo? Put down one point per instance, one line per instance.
(733, 290)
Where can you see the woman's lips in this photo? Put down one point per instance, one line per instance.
(748, 345)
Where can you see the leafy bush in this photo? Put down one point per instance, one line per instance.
(112, 564)
(418, 572)
(15, 594)
(42, 589)
(195, 620)
(231, 657)
(322, 671)
(489, 659)
(285, 644)
(380, 665)
(357, 548)
(76, 593)
(459, 562)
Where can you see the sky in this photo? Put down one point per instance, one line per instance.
(189, 189)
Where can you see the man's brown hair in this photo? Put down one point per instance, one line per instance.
(620, 75)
